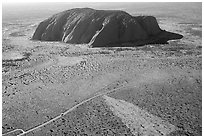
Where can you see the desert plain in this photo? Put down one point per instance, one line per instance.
(54, 88)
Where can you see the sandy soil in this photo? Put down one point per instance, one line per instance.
(41, 80)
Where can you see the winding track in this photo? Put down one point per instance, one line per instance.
(69, 110)
(13, 131)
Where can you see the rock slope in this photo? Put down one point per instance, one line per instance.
(101, 28)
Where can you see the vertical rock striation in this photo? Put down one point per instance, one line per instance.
(101, 28)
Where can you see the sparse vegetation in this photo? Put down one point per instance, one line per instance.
(93, 118)
(167, 78)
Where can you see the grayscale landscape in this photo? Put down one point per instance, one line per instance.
(98, 69)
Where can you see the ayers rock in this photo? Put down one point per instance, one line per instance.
(101, 28)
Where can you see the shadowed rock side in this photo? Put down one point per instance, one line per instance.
(101, 28)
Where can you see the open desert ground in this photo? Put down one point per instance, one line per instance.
(55, 88)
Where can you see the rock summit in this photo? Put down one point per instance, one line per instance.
(101, 28)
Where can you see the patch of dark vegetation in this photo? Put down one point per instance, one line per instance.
(199, 47)
(4, 64)
(86, 53)
(26, 55)
(124, 49)
(119, 49)
(8, 64)
(180, 133)
(6, 128)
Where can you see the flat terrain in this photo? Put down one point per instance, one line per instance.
(52, 88)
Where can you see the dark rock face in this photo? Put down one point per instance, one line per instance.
(101, 28)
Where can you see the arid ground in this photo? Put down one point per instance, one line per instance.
(53, 88)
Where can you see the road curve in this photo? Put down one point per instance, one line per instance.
(69, 110)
